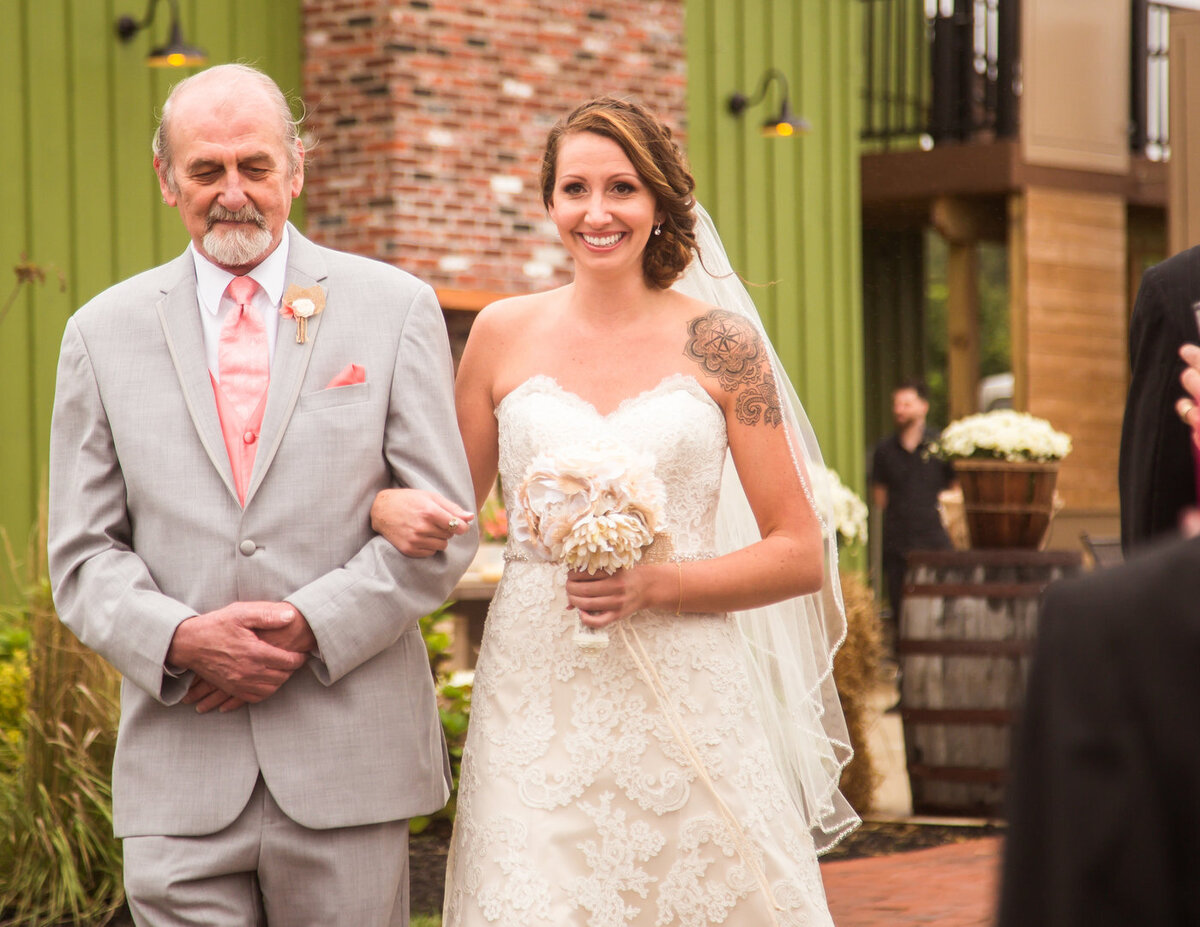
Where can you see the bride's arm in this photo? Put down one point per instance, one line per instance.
(475, 402)
(418, 522)
(786, 562)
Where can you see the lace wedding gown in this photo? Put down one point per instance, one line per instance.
(630, 785)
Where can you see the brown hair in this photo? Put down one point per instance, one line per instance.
(648, 144)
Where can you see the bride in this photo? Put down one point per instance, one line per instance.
(683, 768)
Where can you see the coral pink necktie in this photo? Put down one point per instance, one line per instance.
(243, 363)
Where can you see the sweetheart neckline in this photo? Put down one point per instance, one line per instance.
(682, 379)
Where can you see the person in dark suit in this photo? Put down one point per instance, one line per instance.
(1104, 799)
(1156, 476)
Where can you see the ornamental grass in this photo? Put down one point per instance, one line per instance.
(58, 858)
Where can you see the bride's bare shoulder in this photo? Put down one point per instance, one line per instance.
(515, 312)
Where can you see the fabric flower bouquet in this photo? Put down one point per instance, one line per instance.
(592, 508)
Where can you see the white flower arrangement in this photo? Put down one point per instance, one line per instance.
(1002, 435)
(846, 507)
(592, 508)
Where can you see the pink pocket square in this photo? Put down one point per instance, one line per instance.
(352, 374)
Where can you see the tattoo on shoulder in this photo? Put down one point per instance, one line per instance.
(728, 348)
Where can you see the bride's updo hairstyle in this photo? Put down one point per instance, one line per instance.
(648, 144)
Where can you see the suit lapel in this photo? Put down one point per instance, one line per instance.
(179, 315)
(306, 267)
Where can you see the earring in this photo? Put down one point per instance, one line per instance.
(658, 229)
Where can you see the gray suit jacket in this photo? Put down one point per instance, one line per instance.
(146, 530)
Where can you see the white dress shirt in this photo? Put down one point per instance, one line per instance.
(211, 282)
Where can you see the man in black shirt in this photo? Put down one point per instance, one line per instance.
(905, 482)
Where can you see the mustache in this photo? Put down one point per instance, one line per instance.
(247, 213)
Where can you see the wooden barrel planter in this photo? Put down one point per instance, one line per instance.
(965, 641)
(1007, 504)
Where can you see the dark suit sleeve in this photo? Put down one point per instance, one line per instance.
(1156, 474)
(1066, 758)
(1094, 824)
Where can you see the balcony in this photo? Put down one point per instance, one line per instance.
(943, 93)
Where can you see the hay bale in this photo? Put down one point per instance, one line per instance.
(856, 670)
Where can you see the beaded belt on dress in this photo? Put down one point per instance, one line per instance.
(518, 555)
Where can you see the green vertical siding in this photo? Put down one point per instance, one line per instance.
(788, 209)
(894, 319)
(77, 189)
(897, 72)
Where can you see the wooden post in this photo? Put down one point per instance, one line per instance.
(1183, 189)
(962, 317)
(959, 224)
(1018, 299)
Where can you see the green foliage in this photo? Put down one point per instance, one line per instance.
(995, 336)
(14, 679)
(58, 858)
(454, 706)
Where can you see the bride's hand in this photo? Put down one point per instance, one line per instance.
(418, 523)
(602, 598)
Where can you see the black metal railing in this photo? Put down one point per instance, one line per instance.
(1149, 130)
(940, 70)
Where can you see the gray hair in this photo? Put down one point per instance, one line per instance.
(289, 124)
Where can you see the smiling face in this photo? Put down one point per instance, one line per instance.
(604, 211)
(231, 178)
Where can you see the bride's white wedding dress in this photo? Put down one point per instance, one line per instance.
(598, 792)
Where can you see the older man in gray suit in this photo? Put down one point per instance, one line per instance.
(216, 447)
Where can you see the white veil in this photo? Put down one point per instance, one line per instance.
(789, 646)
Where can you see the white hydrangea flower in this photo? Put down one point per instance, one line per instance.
(1004, 434)
(842, 504)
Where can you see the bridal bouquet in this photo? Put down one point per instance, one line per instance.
(594, 507)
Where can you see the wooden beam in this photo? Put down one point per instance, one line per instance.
(1018, 299)
(962, 319)
(969, 220)
(467, 300)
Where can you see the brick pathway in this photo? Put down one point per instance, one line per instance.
(950, 886)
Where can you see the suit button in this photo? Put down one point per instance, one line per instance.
(247, 547)
(249, 437)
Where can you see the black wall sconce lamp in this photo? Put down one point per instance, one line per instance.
(176, 53)
(786, 123)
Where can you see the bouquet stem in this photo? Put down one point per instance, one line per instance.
(589, 638)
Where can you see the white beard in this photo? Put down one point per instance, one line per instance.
(237, 247)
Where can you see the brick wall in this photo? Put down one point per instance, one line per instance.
(430, 117)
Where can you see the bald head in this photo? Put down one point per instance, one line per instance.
(224, 85)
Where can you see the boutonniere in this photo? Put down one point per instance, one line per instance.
(302, 303)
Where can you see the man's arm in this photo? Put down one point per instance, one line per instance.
(360, 609)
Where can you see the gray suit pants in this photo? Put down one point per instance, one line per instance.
(265, 869)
